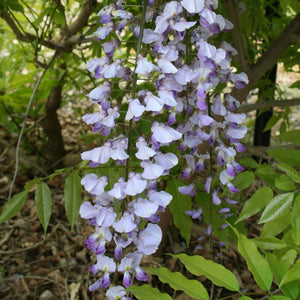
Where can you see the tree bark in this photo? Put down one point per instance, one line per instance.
(269, 58)
(55, 144)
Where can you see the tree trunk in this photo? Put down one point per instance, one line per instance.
(266, 92)
(55, 144)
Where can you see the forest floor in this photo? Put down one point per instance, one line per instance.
(55, 265)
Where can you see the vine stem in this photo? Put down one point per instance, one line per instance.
(210, 197)
(24, 122)
(134, 81)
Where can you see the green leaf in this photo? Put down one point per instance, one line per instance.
(269, 243)
(291, 172)
(257, 265)
(292, 136)
(288, 156)
(292, 274)
(248, 162)
(278, 207)
(15, 5)
(13, 206)
(179, 204)
(59, 18)
(295, 85)
(279, 269)
(245, 298)
(218, 274)
(284, 183)
(256, 203)
(43, 204)
(272, 122)
(177, 281)
(275, 227)
(296, 221)
(267, 173)
(243, 180)
(31, 183)
(72, 191)
(146, 292)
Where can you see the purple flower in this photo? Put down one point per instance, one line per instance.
(93, 184)
(100, 155)
(144, 152)
(195, 214)
(188, 190)
(166, 160)
(116, 292)
(144, 208)
(239, 80)
(149, 239)
(153, 103)
(135, 109)
(208, 184)
(216, 199)
(185, 75)
(193, 6)
(151, 170)
(164, 134)
(162, 198)
(120, 244)
(101, 92)
(102, 32)
(118, 190)
(125, 224)
(166, 66)
(136, 184)
(144, 66)
(109, 120)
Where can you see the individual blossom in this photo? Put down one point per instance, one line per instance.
(102, 32)
(144, 152)
(126, 224)
(135, 109)
(107, 266)
(164, 134)
(94, 184)
(144, 66)
(136, 184)
(193, 6)
(149, 238)
(116, 293)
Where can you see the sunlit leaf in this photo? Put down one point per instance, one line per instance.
(284, 183)
(256, 203)
(279, 269)
(146, 292)
(177, 281)
(278, 207)
(291, 172)
(257, 265)
(292, 274)
(269, 243)
(218, 274)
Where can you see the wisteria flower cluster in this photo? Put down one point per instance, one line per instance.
(186, 109)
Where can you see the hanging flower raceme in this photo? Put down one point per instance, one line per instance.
(126, 206)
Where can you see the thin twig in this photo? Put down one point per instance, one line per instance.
(268, 104)
(24, 122)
